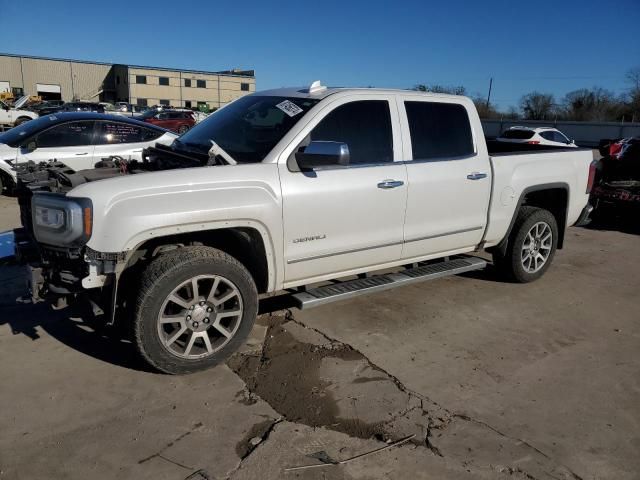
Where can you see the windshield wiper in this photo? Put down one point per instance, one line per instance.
(216, 150)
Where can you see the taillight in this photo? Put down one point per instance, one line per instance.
(592, 176)
(533, 142)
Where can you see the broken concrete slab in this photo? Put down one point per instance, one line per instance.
(293, 445)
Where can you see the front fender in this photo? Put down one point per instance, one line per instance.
(130, 210)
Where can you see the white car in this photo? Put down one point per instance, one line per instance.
(11, 117)
(78, 140)
(536, 136)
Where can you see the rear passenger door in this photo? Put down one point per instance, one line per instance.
(341, 219)
(449, 182)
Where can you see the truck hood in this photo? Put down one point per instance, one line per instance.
(130, 208)
(21, 102)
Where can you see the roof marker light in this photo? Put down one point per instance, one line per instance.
(316, 87)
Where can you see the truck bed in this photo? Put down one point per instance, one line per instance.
(497, 148)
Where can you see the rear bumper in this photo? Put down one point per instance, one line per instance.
(584, 219)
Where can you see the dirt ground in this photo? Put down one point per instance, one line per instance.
(480, 380)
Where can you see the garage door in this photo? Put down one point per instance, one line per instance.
(48, 91)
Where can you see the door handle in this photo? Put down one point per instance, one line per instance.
(386, 184)
(80, 154)
(476, 176)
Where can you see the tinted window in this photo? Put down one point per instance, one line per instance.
(141, 79)
(244, 87)
(548, 136)
(142, 102)
(247, 129)
(518, 134)
(439, 130)
(163, 80)
(201, 84)
(70, 134)
(164, 102)
(115, 132)
(187, 82)
(365, 126)
(19, 135)
(187, 103)
(560, 137)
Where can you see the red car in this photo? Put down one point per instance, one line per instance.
(176, 120)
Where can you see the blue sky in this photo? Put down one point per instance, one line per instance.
(549, 46)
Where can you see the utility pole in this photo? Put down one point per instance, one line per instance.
(489, 96)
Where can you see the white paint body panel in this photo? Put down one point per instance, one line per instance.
(9, 117)
(79, 157)
(359, 227)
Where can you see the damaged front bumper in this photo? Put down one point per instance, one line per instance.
(60, 275)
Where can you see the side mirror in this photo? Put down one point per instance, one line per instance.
(323, 153)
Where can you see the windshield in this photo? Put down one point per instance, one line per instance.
(17, 135)
(248, 128)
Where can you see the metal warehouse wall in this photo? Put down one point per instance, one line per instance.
(10, 71)
(219, 88)
(586, 134)
(87, 80)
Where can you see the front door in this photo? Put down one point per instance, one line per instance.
(70, 143)
(449, 180)
(340, 219)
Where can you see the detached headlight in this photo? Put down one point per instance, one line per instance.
(61, 221)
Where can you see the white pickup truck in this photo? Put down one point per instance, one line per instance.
(11, 117)
(289, 189)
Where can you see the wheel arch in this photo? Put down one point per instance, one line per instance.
(553, 197)
(248, 244)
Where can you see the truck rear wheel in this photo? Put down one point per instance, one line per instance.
(531, 246)
(195, 307)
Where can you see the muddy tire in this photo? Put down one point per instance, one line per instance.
(531, 246)
(195, 307)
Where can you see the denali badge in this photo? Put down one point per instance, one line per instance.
(309, 239)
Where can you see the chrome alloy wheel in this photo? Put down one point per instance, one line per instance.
(537, 247)
(200, 316)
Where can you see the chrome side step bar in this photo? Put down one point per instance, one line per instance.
(352, 288)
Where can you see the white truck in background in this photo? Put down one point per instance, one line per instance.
(11, 117)
(288, 189)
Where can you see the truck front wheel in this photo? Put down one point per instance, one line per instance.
(195, 307)
(530, 247)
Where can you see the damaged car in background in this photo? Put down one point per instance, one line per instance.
(618, 178)
(311, 191)
(75, 140)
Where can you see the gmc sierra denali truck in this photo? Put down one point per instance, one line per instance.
(307, 190)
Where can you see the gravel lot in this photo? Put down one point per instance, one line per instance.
(491, 380)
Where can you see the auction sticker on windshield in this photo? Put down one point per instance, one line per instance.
(289, 108)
